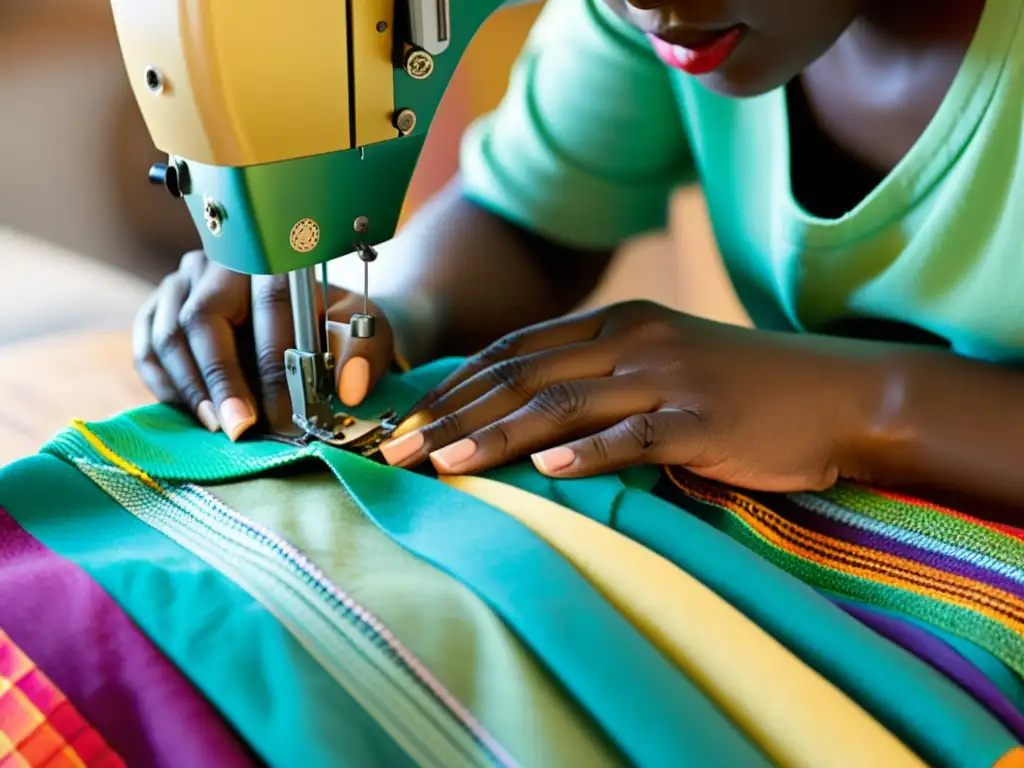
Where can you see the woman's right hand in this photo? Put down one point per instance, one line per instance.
(214, 340)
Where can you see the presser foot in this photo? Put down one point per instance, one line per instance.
(310, 379)
(347, 432)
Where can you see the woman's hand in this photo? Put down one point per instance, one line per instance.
(214, 340)
(638, 383)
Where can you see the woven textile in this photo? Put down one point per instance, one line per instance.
(954, 572)
(299, 662)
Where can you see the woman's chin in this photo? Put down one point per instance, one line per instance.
(746, 77)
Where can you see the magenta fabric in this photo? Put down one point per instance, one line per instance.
(122, 685)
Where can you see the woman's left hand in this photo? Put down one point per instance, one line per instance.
(637, 383)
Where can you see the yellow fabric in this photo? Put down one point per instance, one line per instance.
(797, 717)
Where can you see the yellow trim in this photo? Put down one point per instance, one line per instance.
(374, 71)
(401, 362)
(246, 83)
(796, 716)
(112, 457)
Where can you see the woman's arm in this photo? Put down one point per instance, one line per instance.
(458, 277)
(946, 426)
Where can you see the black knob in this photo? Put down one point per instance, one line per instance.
(166, 175)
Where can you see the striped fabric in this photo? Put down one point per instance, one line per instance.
(39, 728)
(962, 575)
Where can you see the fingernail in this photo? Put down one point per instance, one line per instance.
(554, 459)
(397, 451)
(418, 420)
(207, 416)
(236, 416)
(355, 381)
(449, 457)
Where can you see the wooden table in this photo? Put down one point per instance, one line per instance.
(46, 383)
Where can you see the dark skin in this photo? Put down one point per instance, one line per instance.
(639, 383)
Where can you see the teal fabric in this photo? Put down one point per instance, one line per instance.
(262, 681)
(932, 715)
(1004, 678)
(646, 706)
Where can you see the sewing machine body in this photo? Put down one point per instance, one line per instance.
(286, 123)
(292, 131)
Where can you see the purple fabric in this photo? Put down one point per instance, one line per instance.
(944, 658)
(839, 530)
(122, 685)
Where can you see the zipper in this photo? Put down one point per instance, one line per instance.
(406, 699)
(371, 625)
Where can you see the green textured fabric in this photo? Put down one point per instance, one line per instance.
(995, 637)
(262, 681)
(936, 525)
(595, 132)
(645, 705)
(448, 627)
(933, 716)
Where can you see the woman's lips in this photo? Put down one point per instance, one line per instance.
(704, 57)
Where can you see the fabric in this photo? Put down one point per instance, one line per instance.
(932, 715)
(1014, 759)
(802, 533)
(623, 683)
(148, 712)
(594, 131)
(39, 728)
(387, 685)
(269, 637)
(944, 658)
(237, 654)
(443, 623)
(1006, 680)
(797, 717)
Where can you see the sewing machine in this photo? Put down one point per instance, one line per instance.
(292, 129)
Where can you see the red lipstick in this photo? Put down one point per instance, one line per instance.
(703, 57)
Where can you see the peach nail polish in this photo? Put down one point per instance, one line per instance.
(207, 416)
(554, 459)
(354, 382)
(451, 456)
(400, 449)
(236, 416)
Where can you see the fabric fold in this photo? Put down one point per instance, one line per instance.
(797, 717)
(98, 658)
(944, 658)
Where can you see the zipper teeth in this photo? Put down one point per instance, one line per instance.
(202, 535)
(337, 598)
(372, 626)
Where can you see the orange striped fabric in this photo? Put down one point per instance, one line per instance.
(39, 727)
(869, 564)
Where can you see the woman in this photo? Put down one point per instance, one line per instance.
(863, 171)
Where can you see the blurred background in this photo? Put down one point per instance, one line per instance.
(83, 236)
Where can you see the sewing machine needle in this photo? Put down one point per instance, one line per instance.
(326, 295)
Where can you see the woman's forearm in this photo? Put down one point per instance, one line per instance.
(950, 425)
(458, 277)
